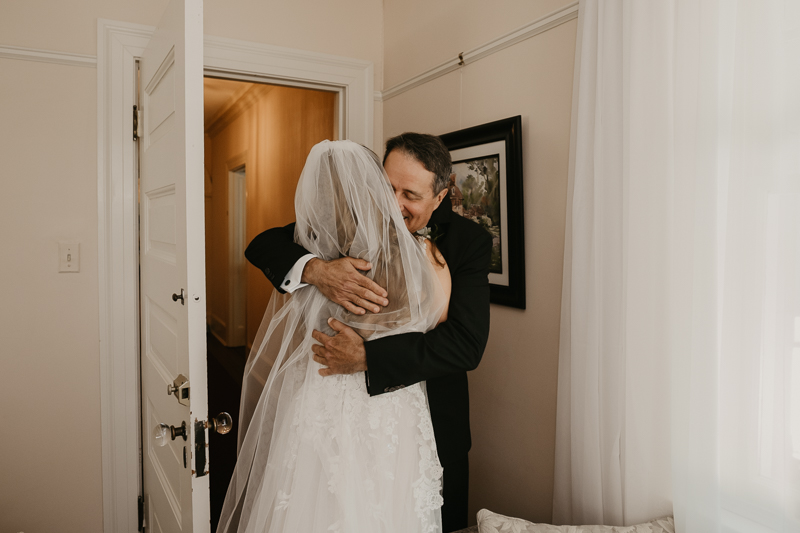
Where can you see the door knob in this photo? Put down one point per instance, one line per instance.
(161, 431)
(222, 423)
(176, 297)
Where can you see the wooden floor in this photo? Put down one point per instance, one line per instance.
(225, 370)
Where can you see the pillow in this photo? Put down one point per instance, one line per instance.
(489, 522)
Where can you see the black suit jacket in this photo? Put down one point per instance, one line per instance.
(442, 356)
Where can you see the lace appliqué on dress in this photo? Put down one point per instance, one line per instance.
(346, 426)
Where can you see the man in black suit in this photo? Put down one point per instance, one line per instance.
(419, 169)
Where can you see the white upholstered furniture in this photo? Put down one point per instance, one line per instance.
(489, 522)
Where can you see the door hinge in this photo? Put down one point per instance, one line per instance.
(141, 513)
(137, 115)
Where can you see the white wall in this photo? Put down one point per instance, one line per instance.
(513, 391)
(50, 467)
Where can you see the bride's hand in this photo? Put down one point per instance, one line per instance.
(341, 282)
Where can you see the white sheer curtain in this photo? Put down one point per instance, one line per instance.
(679, 370)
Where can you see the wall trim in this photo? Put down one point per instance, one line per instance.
(237, 277)
(527, 31)
(119, 45)
(48, 56)
(351, 78)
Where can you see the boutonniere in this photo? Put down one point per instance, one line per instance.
(434, 234)
(423, 232)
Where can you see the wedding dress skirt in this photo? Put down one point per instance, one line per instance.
(345, 462)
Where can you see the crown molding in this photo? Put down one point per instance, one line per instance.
(527, 31)
(237, 104)
(48, 56)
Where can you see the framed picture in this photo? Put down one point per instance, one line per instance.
(486, 187)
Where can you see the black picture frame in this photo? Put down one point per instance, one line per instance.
(475, 152)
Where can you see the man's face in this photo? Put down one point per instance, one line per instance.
(413, 188)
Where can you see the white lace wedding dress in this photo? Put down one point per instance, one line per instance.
(319, 454)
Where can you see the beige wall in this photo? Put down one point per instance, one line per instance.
(276, 133)
(352, 28)
(419, 34)
(513, 391)
(50, 461)
(49, 364)
(49, 357)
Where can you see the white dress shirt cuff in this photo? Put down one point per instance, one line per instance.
(292, 280)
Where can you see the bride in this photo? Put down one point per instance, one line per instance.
(318, 454)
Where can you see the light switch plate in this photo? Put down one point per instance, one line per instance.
(69, 257)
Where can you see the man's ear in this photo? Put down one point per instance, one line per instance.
(440, 196)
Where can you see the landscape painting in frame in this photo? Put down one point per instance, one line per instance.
(486, 187)
(475, 194)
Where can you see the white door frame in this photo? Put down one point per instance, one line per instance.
(119, 45)
(237, 235)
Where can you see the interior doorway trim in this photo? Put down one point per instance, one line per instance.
(236, 169)
(119, 45)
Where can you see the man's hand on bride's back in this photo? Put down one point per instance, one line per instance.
(343, 353)
(342, 282)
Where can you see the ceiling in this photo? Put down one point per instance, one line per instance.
(217, 93)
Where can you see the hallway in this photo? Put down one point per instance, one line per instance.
(225, 370)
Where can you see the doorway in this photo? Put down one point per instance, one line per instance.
(119, 46)
(256, 139)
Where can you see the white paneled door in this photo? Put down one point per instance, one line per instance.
(172, 262)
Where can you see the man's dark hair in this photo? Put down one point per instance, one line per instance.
(428, 150)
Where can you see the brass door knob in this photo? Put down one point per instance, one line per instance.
(222, 423)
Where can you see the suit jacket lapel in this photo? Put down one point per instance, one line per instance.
(443, 213)
(440, 223)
